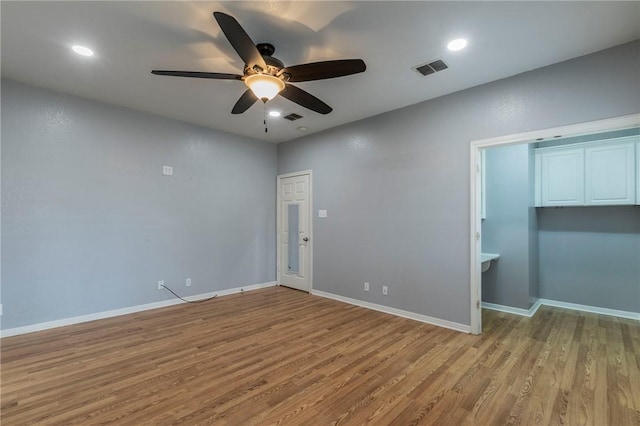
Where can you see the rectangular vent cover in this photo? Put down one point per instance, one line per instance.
(431, 67)
(293, 117)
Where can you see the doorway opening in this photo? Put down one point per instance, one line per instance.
(477, 192)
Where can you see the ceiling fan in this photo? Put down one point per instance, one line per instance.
(266, 76)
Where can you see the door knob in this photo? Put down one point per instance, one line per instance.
(305, 239)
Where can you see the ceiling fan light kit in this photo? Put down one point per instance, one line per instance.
(266, 76)
(264, 86)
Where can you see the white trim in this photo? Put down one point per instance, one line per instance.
(592, 309)
(578, 129)
(565, 305)
(129, 310)
(511, 310)
(475, 286)
(393, 311)
(475, 280)
(311, 217)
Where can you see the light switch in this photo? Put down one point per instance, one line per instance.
(322, 213)
(167, 170)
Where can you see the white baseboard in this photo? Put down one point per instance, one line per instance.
(511, 310)
(592, 309)
(566, 305)
(124, 311)
(398, 312)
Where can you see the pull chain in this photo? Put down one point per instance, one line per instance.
(264, 110)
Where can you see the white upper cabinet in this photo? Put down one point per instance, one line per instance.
(601, 173)
(563, 177)
(610, 174)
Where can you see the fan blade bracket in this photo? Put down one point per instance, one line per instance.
(283, 74)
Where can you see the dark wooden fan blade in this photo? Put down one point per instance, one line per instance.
(244, 103)
(305, 99)
(325, 69)
(197, 74)
(239, 40)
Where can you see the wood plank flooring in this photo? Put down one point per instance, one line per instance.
(279, 356)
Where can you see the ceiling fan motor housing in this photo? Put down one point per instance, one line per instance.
(274, 65)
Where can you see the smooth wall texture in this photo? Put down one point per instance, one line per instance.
(396, 186)
(89, 223)
(591, 256)
(510, 229)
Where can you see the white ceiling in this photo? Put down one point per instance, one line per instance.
(132, 38)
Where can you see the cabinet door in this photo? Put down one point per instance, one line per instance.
(610, 174)
(563, 177)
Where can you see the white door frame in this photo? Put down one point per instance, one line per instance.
(598, 126)
(278, 212)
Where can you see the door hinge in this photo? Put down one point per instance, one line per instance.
(477, 304)
(477, 236)
(477, 168)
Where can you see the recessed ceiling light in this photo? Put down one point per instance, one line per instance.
(81, 50)
(303, 128)
(274, 113)
(457, 44)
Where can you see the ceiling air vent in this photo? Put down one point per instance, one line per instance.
(292, 117)
(431, 67)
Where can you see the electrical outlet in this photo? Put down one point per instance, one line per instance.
(160, 285)
(188, 281)
(385, 290)
(366, 286)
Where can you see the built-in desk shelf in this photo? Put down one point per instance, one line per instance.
(486, 259)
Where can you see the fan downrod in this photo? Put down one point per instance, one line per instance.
(266, 49)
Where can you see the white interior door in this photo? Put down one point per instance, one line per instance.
(294, 231)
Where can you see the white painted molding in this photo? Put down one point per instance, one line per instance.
(393, 311)
(578, 129)
(565, 305)
(129, 310)
(511, 310)
(592, 309)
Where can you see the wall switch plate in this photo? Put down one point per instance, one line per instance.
(188, 281)
(385, 290)
(322, 213)
(366, 286)
(167, 170)
(160, 285)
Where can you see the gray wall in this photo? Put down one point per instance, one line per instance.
(396, 186)
(510, 228)
(90, 224)
(591, 256)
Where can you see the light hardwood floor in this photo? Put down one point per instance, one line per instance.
(279, 356)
